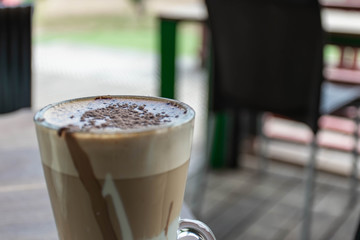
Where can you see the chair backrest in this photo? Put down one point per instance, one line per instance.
(267, 56)
(15, 57)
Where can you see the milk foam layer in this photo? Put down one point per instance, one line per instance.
(70, 113)
(132, 152)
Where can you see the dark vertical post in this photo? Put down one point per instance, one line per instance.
(309, 195)
(220, 128)
(167, 57)
(14, 58)
(218, 148)
(26, 53)
(235, 139)
(216, 121)
(357, 234)
(3, 60)
(354, 170)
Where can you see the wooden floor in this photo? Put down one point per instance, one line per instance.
(243, 204)
(236, 204)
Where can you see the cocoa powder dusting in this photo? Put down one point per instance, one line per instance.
(103, 97)
(123, 116)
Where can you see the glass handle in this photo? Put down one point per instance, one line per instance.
(194, 230)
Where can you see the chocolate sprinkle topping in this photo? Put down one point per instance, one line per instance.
(123, 116)
(103, 97)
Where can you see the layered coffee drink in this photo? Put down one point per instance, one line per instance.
(116, 166)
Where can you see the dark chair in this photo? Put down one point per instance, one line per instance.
(15, 57)
(268, 56)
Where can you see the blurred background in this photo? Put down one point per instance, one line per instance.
(100, 47)
(112, 46)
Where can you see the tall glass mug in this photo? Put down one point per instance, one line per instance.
(116, 167)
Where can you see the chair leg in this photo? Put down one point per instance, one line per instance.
(310, 177)
(263, 145)
(235, 140)
(357, 233)
(354, 182)
(218, 145)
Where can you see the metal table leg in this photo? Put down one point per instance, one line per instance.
(167, 57)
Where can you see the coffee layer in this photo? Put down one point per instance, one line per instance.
(145, 199)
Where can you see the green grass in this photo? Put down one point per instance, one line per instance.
(142, 40)
(115, 31)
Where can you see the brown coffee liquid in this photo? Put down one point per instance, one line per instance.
(75, 219)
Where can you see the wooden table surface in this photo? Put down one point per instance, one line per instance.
(25, 210)
(24, 203)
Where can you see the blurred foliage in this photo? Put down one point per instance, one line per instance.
(113, 30)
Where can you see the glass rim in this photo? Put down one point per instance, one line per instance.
(40, 121)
